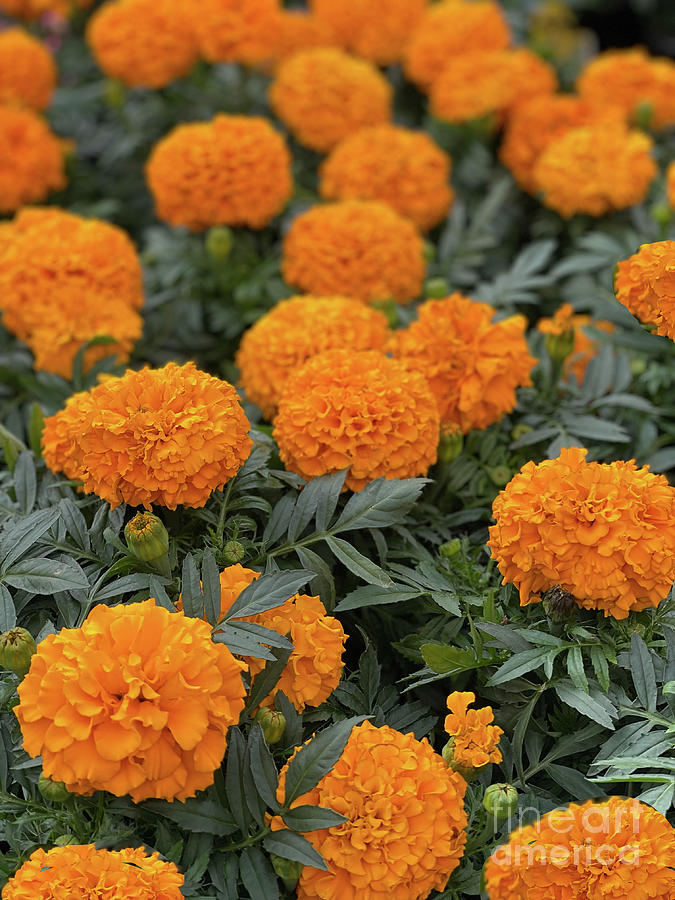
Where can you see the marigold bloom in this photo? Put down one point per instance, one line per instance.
(636, 278)
(566, 321)
(294, 331)
(604, 533)
(168, 436)
(642, 85)
(27, 70)
(358, 410)
(82, 871)
(323, 95)
(475, 738)
(476, 84)
(374, 29)
(147, 43)
(300, 30)
(356, 249)
(405, 169)
(31, 159)
(34, 9)
(406, 826)
(473, 365)
(449, 29)
(242, 31)
(619, 848)
(595, 170)
(233, 170)
(136, 701)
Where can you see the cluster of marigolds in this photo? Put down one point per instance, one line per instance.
(139, 699)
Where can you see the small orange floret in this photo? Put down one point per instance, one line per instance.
(295, 331)
(31, 159)
(323, 95)
(566, 321)
(242, 31)
(233, 170)
(27, 70)
(475, 738)
(357, 410)
(403, 168)
(168, 436)
(645, 284)
(361, 249)
(604, 533)
(34, 9)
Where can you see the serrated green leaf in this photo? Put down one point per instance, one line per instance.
(25, 482)
(211, 587)
(600, 666)
(235, 763)
(39, 575)
(7, 610)
(191, 591)
(290, 845)
(374, 595)
(263, 769)
(518, 665)
(642, 670)
(312, 818)
(583, 703)
(444, 658)
(268, 592)
(257, 875)
(575, 669)
(201, 816)
(19, 539)
(357, 563)
(381, 503)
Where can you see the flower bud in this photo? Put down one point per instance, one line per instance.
(500, 800)
(450, 548)
(559, 604)
(115, 93)
(643, 115)
(468, 773)
(661, 213)
(500, 475)
(450, 446)
(233, 552)
(146, 536)
(288, 870)
(519, 431)
(638, 366)
(16, 650)
(272, 722)
(219, 242)
(52, 790)
(559, 346)
(436, 288)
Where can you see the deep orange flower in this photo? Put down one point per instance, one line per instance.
(300, 30)
(81, 872)
(322, 95)
(27, 70)
(406, 826)
(374, 29)
(136, 701)
(147, 43)
(31, 159)
(475, 740)
(358, 410)
(619, 848)
(243, 31)
(450, 29)
(65, 280)
(233, 170)
(34, 9)
(473, 365)
(479, 83)
(645, 284)
(294, 331)
(595, 170)
(403, 168)
(168, 436)
(604, 533)
(356, 249)
(566, 321)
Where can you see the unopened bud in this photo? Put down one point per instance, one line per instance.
(450, 548)
(428, 251)
(450, 446)
(643, 115)
(287, 869)
(17, 648)
(559, 604)
(519, 431)
(147, 538)
(436, 288)
(661, 213)
(272, 722)
(500, 475)
(233, 552)
(559, 346)
(468, 773)
(55, 791)
(219, 242)
(500, 800)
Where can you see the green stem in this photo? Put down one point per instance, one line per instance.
(220, 528)
(247, 842)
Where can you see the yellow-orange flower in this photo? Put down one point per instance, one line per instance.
(294, 331)
(136, 701)
(604, 533)
(147, 43)
(357, 410)
(475, 740)
(233, 170)
(406, 826)
(81, 872)
(243, 31)
(566, 321)
(27, 70)
(618, 848)
(168, 436)
(403, 168)
(449, 29)
(595, 170)
(374, 29)
(641, 281)
(65, 280)
(476, 84)
(31, 159)
(473, 365)
(361, 249)
(300, 30)
(322, 95)
(33, 9)
(642, 85)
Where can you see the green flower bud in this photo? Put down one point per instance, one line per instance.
(272, 722)
(115, 93)
(16, 650)
(146, 536)
(233, 552)
(500, 800)
(450, 548)
(520, 431)
(468, 773)
(559, 346)
(661, 213)
(288, 870)
(638, 365)
(643, 115)
(500, 475)
(428, 251)
(219, 242)
(450, 446)
(52, 790)
(559, 604)
(436, 288)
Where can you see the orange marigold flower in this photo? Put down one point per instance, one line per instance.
(65, 280)
(233, 170)
(642, 85)
(300, 30)
(449, 29)
(374, 29)
(31, 159)
(473, 365)
(358, 410)
(136, 701)
(617, 848)
(82, 871)
(477, 83)
(243, 31)
(475, 740)
(323, 95)
(34, 9)
(406, 826)
(27, 70)
(403, 168)
(636, 279)
(604, 533)
(147, 43)
(566, 322)
(354, 248)
(294, 331)
(168, 436)
(595, 170)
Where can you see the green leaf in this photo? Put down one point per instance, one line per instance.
(124, 585)
(235, 761)
(7, 610)
(520, 663)
(320, 497)
(642, 670)
(380, 504)
(290, 845)
(312, 818)
(583, 703)
(505, 636)
(444, 658)
(278, 521)
(191, 591)
(263, 769)
(18, 539)
(600, 666)
(595, 429)
(265, 681)
(268, 592)
(328, 499)
(211, 587)
(257, 875)
(25, 482)
(75, 523)
(241, 642)
(574, 783)
(202, 816)
(575, 668)
(46, 576)
(373, 595)
(357, 563)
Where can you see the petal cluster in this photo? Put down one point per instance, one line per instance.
(31, 159)
(604, 533)
(27, 70)
(168, 436)
(645, 284)
(242, 31)
(301, 30)
(566, 321)
(475, 738)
